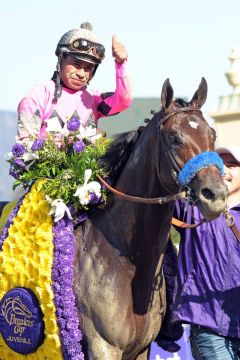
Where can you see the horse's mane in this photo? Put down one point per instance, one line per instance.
(120, 149)
(118, 153)
(122, 145)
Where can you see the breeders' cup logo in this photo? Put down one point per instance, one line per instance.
(13, 307)
(21, 321)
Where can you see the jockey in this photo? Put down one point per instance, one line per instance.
(48, 106)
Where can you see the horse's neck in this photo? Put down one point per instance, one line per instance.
(138, 232)
(140, 178)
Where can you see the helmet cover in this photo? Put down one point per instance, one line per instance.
(82, 44)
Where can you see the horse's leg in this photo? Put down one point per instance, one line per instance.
(98, 347)
(144, 355)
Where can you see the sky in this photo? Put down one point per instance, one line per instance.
(182, 40)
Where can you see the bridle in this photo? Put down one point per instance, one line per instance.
(185, 193)
(175, 172)
(167, 148)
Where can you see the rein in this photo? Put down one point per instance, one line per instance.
(230, 221)
(183, 225)
(159, 200)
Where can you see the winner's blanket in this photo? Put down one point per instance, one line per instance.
(38, 318)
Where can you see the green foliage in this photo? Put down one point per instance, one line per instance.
(62, 168)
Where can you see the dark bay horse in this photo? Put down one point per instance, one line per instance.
(119, 285)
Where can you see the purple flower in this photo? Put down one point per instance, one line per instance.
(74, 333)
(55, 274)
(63, 258)
(13, 173)
(56, 287)
(66, 338)
(61, 247)
(38, 144)
(65, 282)
(72, 210)
(70, 325)
(64, 298)
(81, 218)
(19, 163)
(61, 224)
(94, 199)
(78, 146)
(108, 180)
(73, 124)
(18, 150)
(62, 322)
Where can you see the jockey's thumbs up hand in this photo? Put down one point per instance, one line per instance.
(119, 51)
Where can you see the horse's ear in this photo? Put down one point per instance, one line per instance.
(200, 95)
(167, 94)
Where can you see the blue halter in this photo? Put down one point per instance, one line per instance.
(198, 162)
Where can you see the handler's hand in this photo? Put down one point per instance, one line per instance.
(119, 51)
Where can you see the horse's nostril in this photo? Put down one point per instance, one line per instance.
(208, 194)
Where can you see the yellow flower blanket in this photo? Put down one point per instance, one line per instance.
(26, 262)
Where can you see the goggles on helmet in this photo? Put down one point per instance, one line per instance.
(89, 47)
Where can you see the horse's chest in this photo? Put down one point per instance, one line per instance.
(103, 288)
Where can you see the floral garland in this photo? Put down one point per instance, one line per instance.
(64, 298)
(62, 242)
(26, 260)
(67, 161)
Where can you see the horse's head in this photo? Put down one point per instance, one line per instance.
(187, 146)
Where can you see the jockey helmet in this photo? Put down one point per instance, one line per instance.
(81, 44)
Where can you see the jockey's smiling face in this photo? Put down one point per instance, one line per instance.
(75, 73)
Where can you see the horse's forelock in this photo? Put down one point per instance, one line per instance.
(183, 103)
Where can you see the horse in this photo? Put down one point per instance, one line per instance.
(118, 279)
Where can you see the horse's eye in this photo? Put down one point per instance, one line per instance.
(214, 135)
(174, 140)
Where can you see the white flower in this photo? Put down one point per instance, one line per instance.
(28, 156)
(58, 209)
(28, 143)
(84, 192)
(8, 156)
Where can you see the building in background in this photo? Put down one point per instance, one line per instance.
(227, 114)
